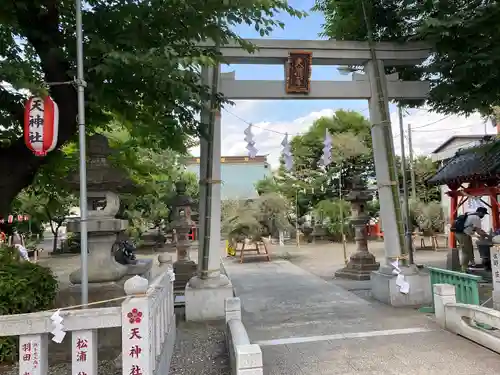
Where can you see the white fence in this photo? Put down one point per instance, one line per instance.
(245, 358)
(477, 323)
(146, 317)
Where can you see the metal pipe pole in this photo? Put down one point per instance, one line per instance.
(412, 169)
(341, 207)
(297, 217)
(83, 157)
(406, 205)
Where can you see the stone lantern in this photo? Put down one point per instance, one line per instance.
(184, 267)
(104, 182)
(362, 262)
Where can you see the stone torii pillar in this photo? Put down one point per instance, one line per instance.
(385, 165)
(207, 291)
(384, 284)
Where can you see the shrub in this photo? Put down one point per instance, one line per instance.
(263, 216)
(24, 288)
(428, 217)
(329, 212)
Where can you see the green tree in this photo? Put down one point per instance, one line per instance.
(255, 219)
(49, 200)
(309, 183)
(424, 168)
(46, 207)
(334, 214)
(141, 67)
(154, 173)
(267, 185)
(464, 36)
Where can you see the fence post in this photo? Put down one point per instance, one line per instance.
(33, 354)
(137, 343)
(84, 352)
(443, 294)
(232, 308)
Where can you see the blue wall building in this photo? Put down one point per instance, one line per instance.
(239, 174)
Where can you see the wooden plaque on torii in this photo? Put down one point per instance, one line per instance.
(298, 72)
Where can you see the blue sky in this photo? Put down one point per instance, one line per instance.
(273, 118)
(307, 28)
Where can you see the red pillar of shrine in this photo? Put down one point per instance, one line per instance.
(494, 209)
(453, 215)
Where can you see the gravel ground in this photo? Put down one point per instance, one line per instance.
(200, 349)
(105, 368)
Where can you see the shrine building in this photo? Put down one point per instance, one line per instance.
(468, 176)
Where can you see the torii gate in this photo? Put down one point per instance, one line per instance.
(313, 52)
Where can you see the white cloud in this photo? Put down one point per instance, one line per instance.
(429, 129)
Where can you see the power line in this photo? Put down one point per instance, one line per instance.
(270, 130)
(256, 126)
(395, 136)
(432, 123)
(437, 130)
(440, 130)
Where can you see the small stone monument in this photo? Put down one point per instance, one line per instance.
(362, 262)
(184, 267)
(104, 181)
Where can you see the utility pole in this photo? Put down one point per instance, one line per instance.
(406, 205)
(412, 170)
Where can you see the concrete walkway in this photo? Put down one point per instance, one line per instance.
(306, 325)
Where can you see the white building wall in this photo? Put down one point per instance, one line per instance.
(453, 147)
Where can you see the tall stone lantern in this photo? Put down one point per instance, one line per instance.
(184, 267)
(362, 262)
(104, 183)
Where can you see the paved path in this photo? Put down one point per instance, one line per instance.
(306, 325)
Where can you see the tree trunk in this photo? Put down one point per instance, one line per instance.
(18, 165)
(54, 243)
(56, 235)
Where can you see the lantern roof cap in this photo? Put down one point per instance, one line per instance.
(181, 198)
(102, 175)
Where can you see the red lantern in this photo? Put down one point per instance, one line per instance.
(41, 125)
(26, 217)
(10, 219)
(2, 221)
(19, 217)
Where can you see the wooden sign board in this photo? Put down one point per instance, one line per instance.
(298, 72)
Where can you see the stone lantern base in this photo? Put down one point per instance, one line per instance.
(184, 270)
(360, 266)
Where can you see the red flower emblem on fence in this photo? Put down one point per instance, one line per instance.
(135, 316)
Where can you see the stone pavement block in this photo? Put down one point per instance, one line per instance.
(319, 351)
(285, 369)
(340, 367)
(279, 357)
